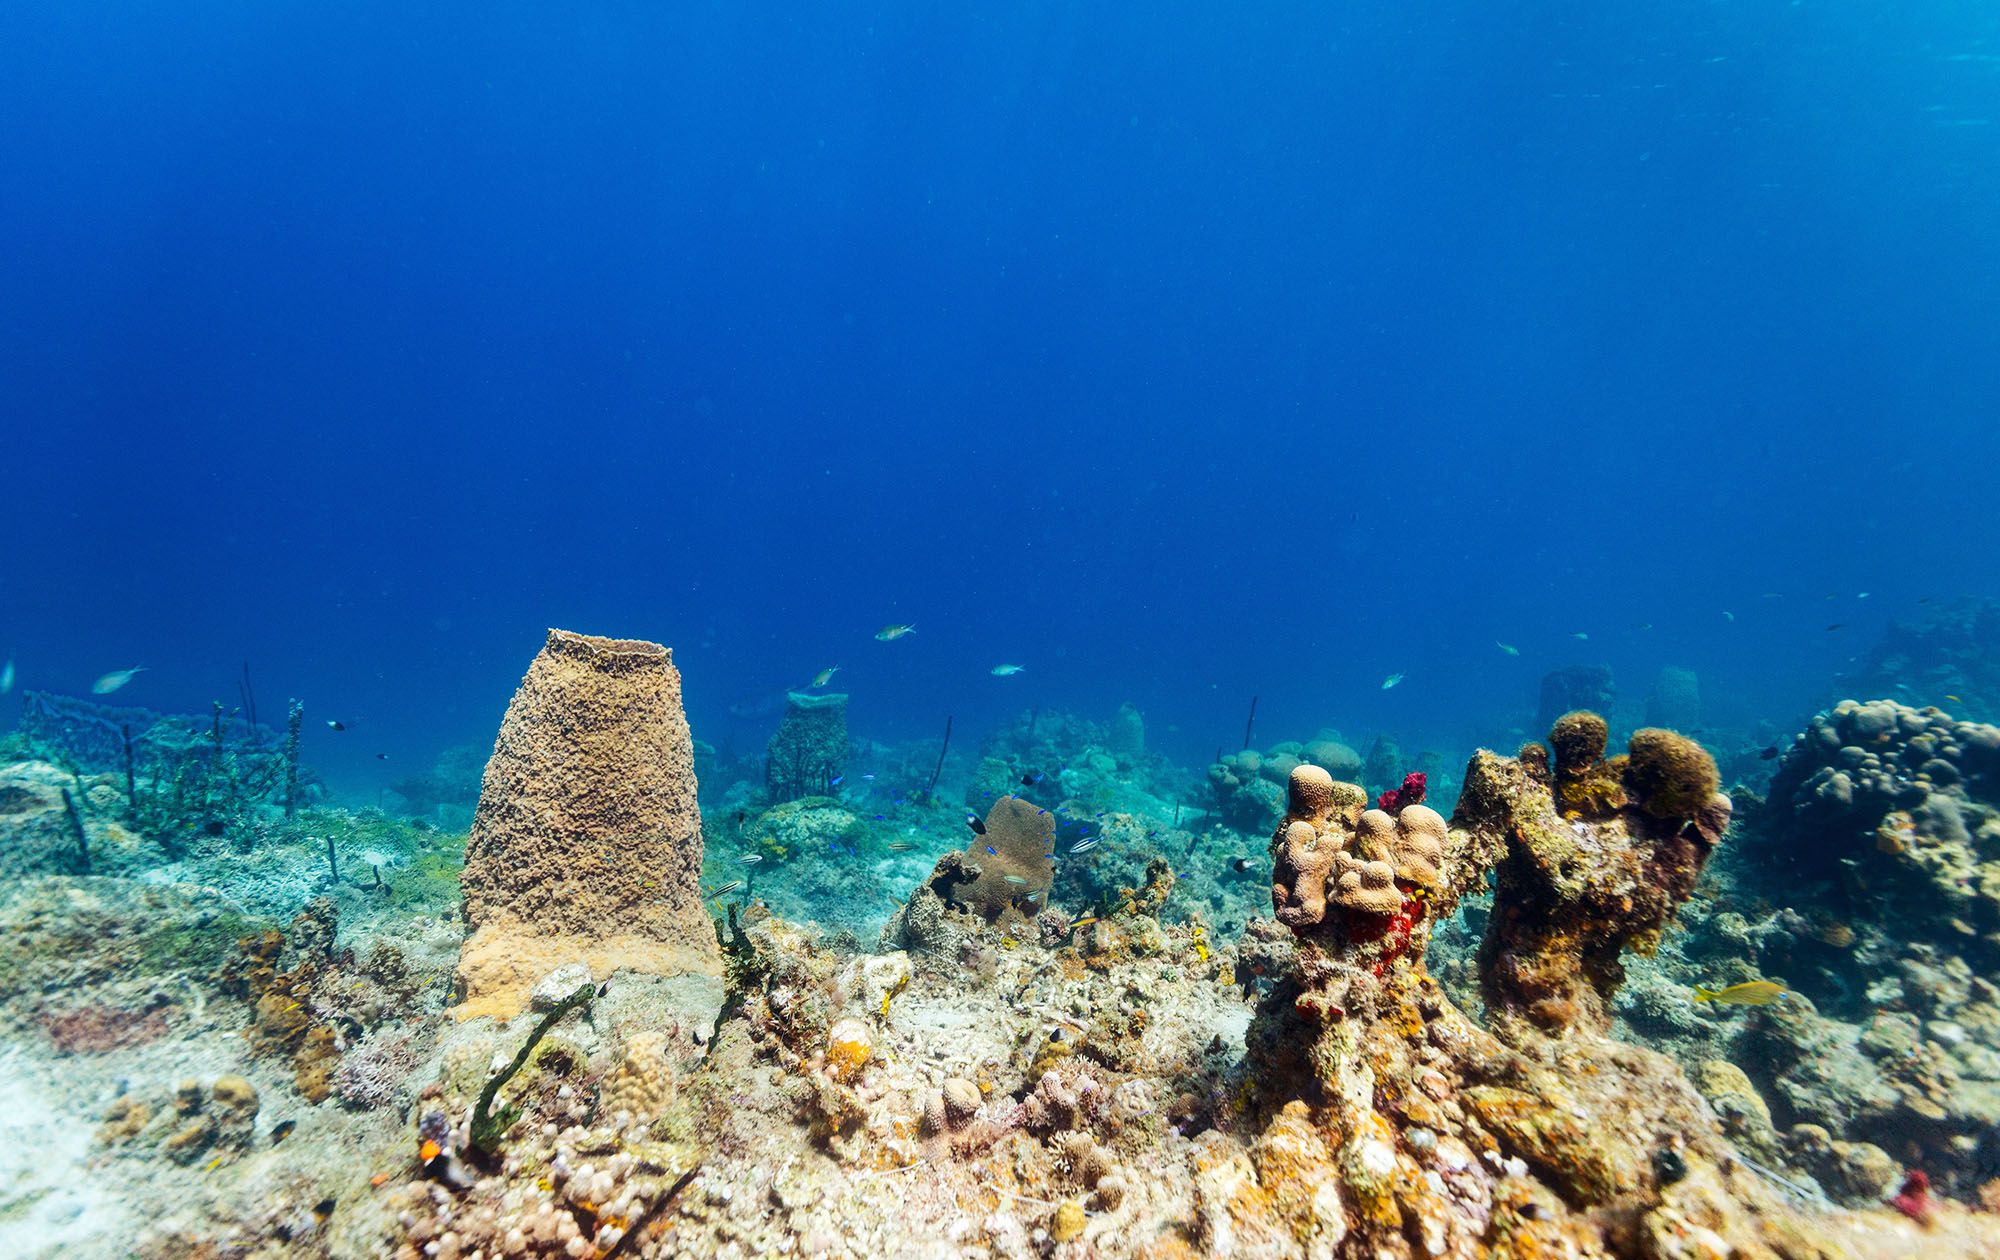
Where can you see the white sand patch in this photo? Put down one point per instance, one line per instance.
(49, 1202)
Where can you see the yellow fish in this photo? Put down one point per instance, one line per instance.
(1954, 699)
(902, 982)
(825, 676)
(1749, 993)
(889, 634)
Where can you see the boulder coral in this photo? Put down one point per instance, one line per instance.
(1899, 810)
(586, 845)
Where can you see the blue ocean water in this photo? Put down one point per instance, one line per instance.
(1180, 354)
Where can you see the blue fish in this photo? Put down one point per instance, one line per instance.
(990, 849)
(836, 780)
(880, 818)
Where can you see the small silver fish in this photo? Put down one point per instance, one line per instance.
(727, 888)
(889, 634)
(7, 676)
(1391, 681)
(1508, 648)
(1727, 615)
(1006, 671)
(1084, 845)
(751, 859)
(1014, 879)
(114, 680)
(1578, 634)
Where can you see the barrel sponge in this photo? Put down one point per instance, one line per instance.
(586, 845)
(1669, 774)
(1017, 842)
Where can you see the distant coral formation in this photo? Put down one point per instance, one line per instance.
(809, 747)
(586, 845)
(1900, 809)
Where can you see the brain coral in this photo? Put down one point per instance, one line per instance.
(1005, 873)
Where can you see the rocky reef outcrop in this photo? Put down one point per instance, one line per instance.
(1419, 1131)
(586, 845)
(1946, 653)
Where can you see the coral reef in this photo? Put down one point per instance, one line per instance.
(1117, 1055)
(1436, 1134)
(587, 842)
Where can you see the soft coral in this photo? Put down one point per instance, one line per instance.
(1914, 1199)
(1411, 793)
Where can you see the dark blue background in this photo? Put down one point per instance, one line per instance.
(1179, 352)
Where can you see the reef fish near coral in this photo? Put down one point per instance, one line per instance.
(1749, 993)
(889, 634)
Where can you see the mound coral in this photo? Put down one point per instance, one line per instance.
(1899, 809)
(586, 845)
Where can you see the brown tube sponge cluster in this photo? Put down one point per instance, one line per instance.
(1332, 849)
(586, 846)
